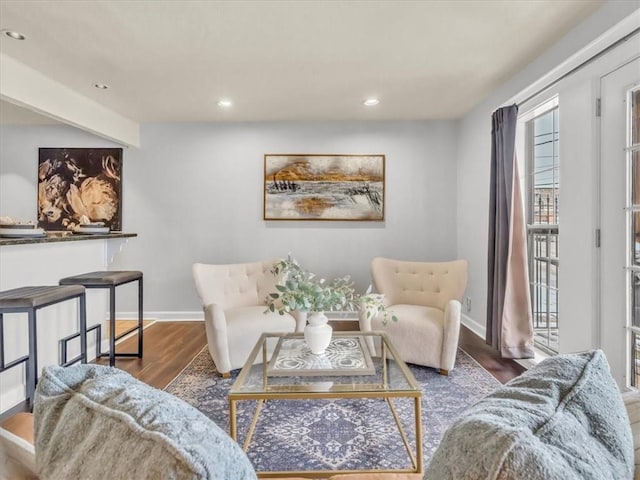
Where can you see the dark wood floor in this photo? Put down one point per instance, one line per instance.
(170, 346)
(503, 369)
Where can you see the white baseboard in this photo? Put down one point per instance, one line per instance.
(474, 326)
(12, 397)
(187, 316)
(163, 316)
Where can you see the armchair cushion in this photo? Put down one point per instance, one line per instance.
(93, 421)
(417, 326)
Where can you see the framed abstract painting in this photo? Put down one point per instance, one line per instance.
(324, 187)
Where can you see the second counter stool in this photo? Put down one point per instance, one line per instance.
(110, 280)
(29, 300)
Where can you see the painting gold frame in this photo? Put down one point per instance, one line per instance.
(334, 187)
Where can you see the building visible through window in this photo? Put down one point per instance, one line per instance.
(543, 187)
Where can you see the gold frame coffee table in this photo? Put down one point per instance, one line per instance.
(356, 365)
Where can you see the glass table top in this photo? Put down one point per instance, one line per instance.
(354, 364)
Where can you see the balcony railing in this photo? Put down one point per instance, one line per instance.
(543, 282)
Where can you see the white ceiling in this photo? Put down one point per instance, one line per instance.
(168, 61)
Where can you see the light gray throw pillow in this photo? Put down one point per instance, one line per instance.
(95, 422)
(563, 419)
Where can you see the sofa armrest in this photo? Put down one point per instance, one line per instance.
(17, 453)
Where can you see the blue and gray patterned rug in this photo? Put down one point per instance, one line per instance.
(336, 434)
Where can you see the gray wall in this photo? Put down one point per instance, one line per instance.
(193, 193)
(19, 162)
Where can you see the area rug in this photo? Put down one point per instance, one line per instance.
(336, 434)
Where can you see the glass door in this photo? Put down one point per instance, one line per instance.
(620, 222)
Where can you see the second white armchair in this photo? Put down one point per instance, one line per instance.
(425, 298)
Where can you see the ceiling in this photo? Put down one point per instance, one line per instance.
(171, 61)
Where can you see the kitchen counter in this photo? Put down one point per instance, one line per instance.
(44, 261)
(64, 237)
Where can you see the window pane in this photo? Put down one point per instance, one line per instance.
(544, 176)
(635, 184)
(636, 238)
(556, 177)
(634, 157)
(635, 117)
(635, 359)
(541, 269)
(543, 150)
(544, 206)
(553, 246)
(635, 287)
(553, 276)
(553, 308)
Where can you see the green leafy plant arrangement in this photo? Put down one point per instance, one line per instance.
(373, 304)
(302, 291)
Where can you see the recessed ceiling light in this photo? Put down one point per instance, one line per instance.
(224, 103)
(371, 102)
(14, 35)
(101, 86)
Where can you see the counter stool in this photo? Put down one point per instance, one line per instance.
(111, 280)
(29, 300)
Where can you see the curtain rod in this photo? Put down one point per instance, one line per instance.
(580, 65)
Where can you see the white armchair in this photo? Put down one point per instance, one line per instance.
(425, 298)
(233, 300)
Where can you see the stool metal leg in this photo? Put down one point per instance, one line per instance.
(112, 326)
(83, 327)
(140, 314)
(32, 366)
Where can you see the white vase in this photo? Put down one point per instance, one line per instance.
(317, 333)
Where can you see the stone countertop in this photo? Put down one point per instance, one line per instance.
(53, 237)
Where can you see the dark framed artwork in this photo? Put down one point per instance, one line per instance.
(324, 187)
(79, 185)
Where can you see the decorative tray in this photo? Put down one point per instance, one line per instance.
(344, 356)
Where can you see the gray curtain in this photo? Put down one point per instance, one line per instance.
(509, 323)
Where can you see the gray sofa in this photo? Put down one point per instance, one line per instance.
(564, 419)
